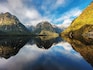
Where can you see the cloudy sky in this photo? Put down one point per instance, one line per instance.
(31, 12)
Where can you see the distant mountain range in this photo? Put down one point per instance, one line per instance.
(45, 25)
(10, 25)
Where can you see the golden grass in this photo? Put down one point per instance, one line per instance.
(85, 18)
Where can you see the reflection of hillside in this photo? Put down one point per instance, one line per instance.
(84, 34)
(11, 46)
(85, 50)
(43, 42)
(47, 37)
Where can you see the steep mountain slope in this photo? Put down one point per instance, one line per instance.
(85, 18)
(11, 25)
(43, 26)
(45, 29)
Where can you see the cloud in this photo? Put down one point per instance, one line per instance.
(19, 9)
(60, 2)
(50, 6)
(65, 45)
(33, 58)
(32, 16)
(70, 14)
(66, 23)
(66, 18)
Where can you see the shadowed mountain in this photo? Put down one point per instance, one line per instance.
(11, 25)
(44, 26)
(45, 29)
(9, 46)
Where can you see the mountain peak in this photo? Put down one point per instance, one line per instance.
(7, 14)
(10, 24)
(8, 19)
(44, 25)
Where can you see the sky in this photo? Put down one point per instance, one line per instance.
(31, 12)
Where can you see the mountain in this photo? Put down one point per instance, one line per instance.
(58, 29)
(11, 25)
(31, 28)
(86, 18)
(43, 26)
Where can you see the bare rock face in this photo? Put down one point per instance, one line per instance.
(11, 25)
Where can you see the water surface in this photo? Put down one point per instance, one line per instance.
(28, 53)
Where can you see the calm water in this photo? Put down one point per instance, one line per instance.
(40, 53)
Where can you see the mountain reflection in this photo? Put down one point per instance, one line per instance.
(84, 46)
(9, 46)
(44, 42)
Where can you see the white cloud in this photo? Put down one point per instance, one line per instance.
(66, 23)
(31, 16)
(15, 4)
(26, 15)
(60, 2)
(72, 13)
(68, 17)
(64, 20)
(65, 45)
(53, 5)
(67, 51)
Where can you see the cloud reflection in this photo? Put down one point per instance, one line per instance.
(30, 57)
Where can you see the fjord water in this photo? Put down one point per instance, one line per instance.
(41, 53)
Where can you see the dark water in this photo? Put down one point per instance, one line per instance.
(41, 53)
